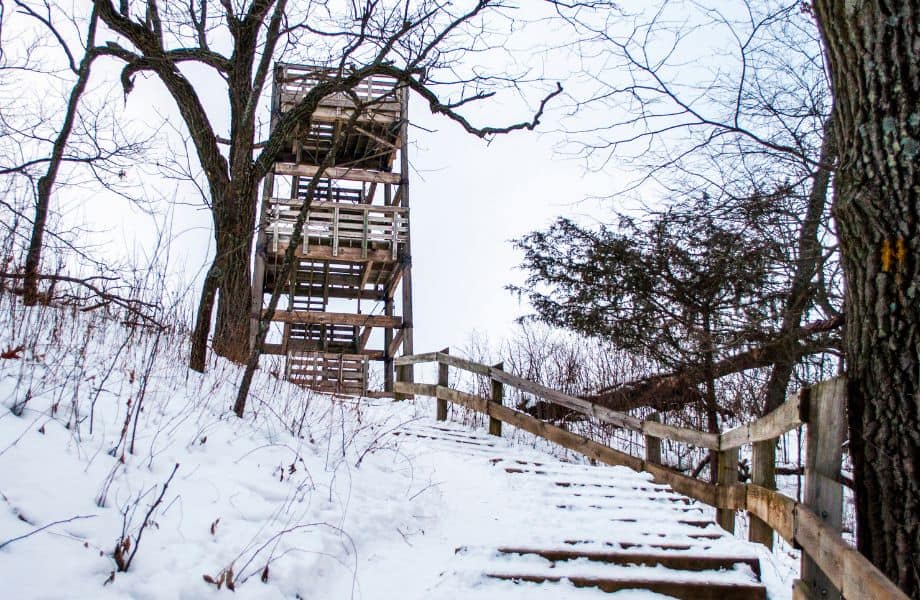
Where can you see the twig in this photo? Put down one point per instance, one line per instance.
(125, 565)
(40, 529)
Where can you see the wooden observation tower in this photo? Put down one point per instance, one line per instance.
(349, 298)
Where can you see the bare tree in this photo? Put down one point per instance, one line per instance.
(38, 146)
(47, 180)
(724, 99)
(417, 44)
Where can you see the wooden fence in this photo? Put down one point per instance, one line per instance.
(830, 568)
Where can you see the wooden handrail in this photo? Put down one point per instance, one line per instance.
(580, 405)
(827, 559)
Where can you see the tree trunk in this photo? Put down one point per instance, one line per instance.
(874, 60)
(199, 353)
(47, 181)
(712, 402)
(801, 296)
(232, 326)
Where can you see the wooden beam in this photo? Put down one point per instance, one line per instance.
(769, 427)
(495, 426)
(443, 382)
(365, 335)
(331, 318)
(852, 574)
(346, 254)
(773, 508)
(345, 173)
(394, 343)
(763, 473)
(653, 444)
(366, 273)
(394, 282)
(408, 344)
(382, 141)
(728, 476)
(824, 440)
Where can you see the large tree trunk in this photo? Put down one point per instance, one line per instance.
(874, 58)
(234, 300)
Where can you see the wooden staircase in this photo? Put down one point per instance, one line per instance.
(600, 527)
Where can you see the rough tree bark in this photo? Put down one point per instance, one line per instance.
(874, 56)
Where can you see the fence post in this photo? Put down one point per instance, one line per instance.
(653, 444)
(442, 381)
(727, 475)
(763, 461)
(824, 440)
(399, 378)
(495, 426)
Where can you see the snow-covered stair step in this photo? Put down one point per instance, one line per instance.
(671, 560)
(678, 575)
(676, 588)
(575, 525)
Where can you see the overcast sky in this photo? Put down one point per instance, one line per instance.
(469, 198)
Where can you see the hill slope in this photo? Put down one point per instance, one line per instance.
(307, 497)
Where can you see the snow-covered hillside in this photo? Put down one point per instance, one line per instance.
(104, 430)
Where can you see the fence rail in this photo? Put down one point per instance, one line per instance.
(830, 568)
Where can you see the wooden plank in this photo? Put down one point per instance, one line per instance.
(727, 476)
(854, 576)
(653, 444)
(731, 497)
(700, 439)
(378, 139)
(576, 404)
(774, 509)
(395, 342)
(443, 381)
(322, 252)
(344, 173)
(460, 363)
(495, 425)
(768, 427)
(330, 318)
(763, 473)
(527, 423)
(423, 389)
(824, 440)
(801, 591)
(682, 484)
(364, 337)
(416, 359)
(408, 342)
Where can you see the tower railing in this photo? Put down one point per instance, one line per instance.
(337, 225)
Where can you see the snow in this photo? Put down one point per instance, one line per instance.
(308, 496)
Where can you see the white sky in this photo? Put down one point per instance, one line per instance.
(469, 199)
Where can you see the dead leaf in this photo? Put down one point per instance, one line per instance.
(11, 352)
